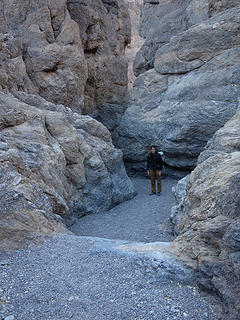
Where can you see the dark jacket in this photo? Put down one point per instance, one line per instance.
(154, 161)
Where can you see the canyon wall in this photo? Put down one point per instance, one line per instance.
(209, 223)
(134, 8)
(55, 163)
(187, 84)
(73, 51)
(105, 31)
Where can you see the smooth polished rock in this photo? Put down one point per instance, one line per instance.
(190, 92)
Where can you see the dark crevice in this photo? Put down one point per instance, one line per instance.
(51, 69)
(91, 82)
(111, 6)
(89, 29)
(91, 51)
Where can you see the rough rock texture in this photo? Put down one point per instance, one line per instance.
(105, 31)
(47, 42)
(134, 8)
(179, 191)
(188, 80)
(80, 64)
(210, 226)
(55, 164)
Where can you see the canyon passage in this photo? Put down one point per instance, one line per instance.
(86, 86)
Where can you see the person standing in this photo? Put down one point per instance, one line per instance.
(154, 169)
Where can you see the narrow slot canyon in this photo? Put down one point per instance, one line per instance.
(86, 87)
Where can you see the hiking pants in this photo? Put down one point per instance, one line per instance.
(154, 174)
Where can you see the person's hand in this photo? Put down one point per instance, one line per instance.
(148, 172)
(160, 173)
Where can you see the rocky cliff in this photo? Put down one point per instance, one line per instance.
(105, 32)
(209, 225)
(60, 61)
(56, 164)
(184, 99)
(73, 51)
(134, 8)
(187, 84)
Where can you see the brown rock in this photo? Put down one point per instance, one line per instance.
(49, 46)
(134, 46)
(105, 32)
(55, 165)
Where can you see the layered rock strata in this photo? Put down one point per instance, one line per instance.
(187, 84)
(209, 228)
(55, 164)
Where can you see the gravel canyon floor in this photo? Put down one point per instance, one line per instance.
(116, 269)
(144, 218)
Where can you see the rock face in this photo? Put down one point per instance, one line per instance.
(134, 8)
(105, 31)
(179, 192)
(187, 84)
(55, 165)
(80, 64)
(209, 228)
(48, 42)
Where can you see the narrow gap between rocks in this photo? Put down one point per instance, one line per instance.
(145, 218)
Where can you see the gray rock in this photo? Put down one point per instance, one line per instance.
(161, 20)
(179, 192)
(9, 318)
(232, 236)
(210, 230)
(191, 49)
(191, 92)
(235, 261)
(217, 6)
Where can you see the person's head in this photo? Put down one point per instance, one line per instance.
(153, 149)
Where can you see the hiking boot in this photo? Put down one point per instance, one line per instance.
(152, 193)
